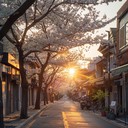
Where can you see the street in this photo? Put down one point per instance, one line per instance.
(67, 114)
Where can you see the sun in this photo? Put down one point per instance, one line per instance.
(72, 71)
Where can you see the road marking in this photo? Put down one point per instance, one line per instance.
(66, 125)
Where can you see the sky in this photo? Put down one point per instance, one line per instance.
(110, 11)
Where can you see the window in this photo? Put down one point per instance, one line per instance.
(123, 32)
(127, 33)
(122, 37)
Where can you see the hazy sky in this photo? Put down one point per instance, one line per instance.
(110, 11)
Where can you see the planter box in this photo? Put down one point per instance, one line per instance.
(103, 113)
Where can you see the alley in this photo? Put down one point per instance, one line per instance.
(67, 114)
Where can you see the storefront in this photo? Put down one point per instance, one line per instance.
(120, 75)
(10, 83)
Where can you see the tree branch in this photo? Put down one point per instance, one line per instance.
(14, 34)
(29, 52)
(10, 39)
(14, 16)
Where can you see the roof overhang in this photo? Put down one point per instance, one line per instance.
(119, 70)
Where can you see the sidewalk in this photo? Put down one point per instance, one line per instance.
(123, 119)
(121, 122)
(13, 120)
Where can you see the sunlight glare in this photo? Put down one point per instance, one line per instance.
(71, 71)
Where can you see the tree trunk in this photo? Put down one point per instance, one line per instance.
(24, 103)
(37, 104)
(32, 96)
(14, 16)
(24, 86)
(45, 97)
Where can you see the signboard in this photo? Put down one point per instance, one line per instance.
(12, 60)
(9, 60)
(113, 107)
(113, 103)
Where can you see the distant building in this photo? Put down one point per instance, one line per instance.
(92, 64)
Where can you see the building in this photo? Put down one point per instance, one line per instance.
(108, 50)
(10, 78)
(121, 71)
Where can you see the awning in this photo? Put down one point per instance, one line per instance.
(119, 70)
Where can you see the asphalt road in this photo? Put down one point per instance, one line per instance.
(67, 114)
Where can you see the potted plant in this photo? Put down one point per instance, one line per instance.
(100, 97)
(104, 111)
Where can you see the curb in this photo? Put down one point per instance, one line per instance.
(30, 118)
(112, 121)
(126, 123)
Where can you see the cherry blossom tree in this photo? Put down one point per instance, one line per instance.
(51, 22)
(23, 8)
(50, 64)
(14, 16)
(43, 66)
(49, 79)
(20, 41)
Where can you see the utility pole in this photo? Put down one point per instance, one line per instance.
(109, 82)
(109, 79)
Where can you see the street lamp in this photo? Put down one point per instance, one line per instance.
(1, 98)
